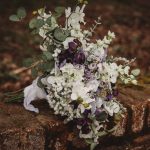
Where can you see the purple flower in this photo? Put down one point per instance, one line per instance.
(72, 45)
(67, 56)
(86, 112)
(79, 58)
(109, 96)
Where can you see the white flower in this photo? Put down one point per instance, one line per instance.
(126, 70)
(80, 91)
(109, 72)
(111, 107)
(74, 73)
(99, 67)
(77, 33)
(93, 85)
(75, 18)
(99, 102)
(111, 34)
(68, 12)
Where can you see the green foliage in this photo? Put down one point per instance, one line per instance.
(60, 34)
(39, 83)
(51, 21)
(14, 97)
(34, 72)
(135, 72)
(14, 18)
(48, 66)
(36, 23)
(28, 62)
(51, 48)
(60, 10)
(21, 14)
(48, 55)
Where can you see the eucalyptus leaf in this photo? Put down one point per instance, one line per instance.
(39, 83)
(21, 12)
(48, 66)
(48, 55)
(57, 15)
(51, 48)
(92, 146)
(135, 72)
(48, 21)
(32, 23)
(39, 23)
(14, 18)
(103, 133)
(60, 10)
(89, 141)
(35, 31)
(34, 72)
(60, 34)
(28, 62)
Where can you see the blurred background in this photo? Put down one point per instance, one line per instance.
(129, 19)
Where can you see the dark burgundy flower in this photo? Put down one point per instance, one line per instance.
(115, 92)
(86, 112)
(72, 45)
(82, 122)
(67, 55)
(79, 58)
(85, 129)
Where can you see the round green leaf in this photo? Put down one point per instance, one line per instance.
(60, 34)
(60, 10)
(48, 55)
(32, 23)
(39, 23)
(21, 12)
(14, 18)
(135, 72)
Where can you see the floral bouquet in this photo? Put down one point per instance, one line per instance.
(75, 75)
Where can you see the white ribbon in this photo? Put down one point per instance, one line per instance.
(32, 93)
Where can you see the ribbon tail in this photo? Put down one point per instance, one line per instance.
(32, 93)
